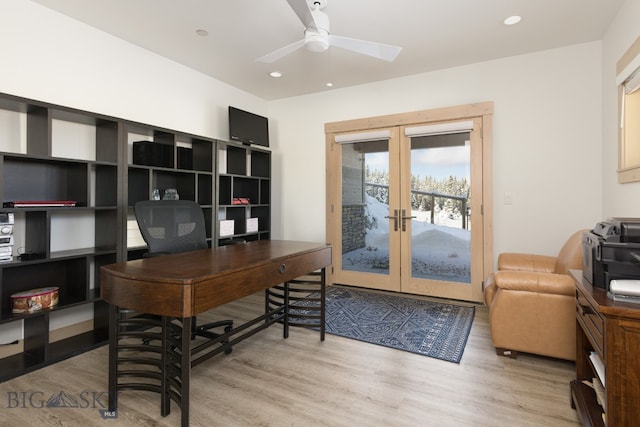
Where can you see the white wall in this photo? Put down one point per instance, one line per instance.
(619, 200)
(50, 57)
(546, 147)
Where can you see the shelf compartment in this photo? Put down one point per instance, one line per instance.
(208, 221)
(184, 182)
(41, 354)
(106, 221)
(76, 229)
(202, 155)
(19, 364)
(73, 140)
(107, 140)
(69, 275)
(224, 190)
(265, 192)
(260, 164)
(138, 185)
(263, 215)
(236, 160)
(194, 154)
(205, 190)
(35, 179)
(106, 185)
(38, 130)
(248, 188)
(239, 217)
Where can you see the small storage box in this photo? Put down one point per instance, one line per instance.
(34, 300)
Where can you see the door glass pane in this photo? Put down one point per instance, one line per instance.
(440, 204)
(365, 203)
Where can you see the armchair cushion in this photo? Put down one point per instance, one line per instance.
(526, 262)
(529, 281)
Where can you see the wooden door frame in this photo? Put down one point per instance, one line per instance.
(482, 111)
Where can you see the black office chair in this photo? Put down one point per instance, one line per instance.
(174, 226)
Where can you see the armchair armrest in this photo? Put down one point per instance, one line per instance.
(526, 262)
(544, 283)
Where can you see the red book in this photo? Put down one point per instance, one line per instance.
(40, 203)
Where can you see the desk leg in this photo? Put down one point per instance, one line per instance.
(323, 300)
(165, 400)
(285, 322)
(185, 370)
(113, 357)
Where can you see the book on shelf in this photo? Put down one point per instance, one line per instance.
(598, 366)
(601, 397)
(598, 389)
(39, 203)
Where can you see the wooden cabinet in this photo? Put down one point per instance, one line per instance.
(608, 332)
(49, 152)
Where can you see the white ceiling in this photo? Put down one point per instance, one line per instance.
(434, 34)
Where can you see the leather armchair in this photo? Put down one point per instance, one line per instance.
(531, 300)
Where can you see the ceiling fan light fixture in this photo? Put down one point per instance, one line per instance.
(318, 37)
(316, 41)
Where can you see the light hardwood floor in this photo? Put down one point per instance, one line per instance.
(269, 381)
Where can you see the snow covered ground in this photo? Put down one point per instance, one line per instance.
(440, 251)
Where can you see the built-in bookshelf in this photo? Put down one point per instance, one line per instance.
(244, 193)
(53, 154)
(87, 160)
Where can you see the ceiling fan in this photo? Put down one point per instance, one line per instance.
(317, 37)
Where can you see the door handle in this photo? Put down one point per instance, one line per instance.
(395, 219)
(404, 219)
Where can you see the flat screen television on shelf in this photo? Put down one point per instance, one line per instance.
(248, 128)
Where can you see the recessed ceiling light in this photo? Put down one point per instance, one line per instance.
(275, 74)
(202, 33)
(512, 20)
(329, 84)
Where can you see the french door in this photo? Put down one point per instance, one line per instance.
(406, 208)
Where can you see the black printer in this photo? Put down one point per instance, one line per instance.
(611, 251)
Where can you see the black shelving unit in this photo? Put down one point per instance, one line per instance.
(244, 193)
(35, 165)
(51, 152)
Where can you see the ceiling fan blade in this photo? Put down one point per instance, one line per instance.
(303, 10)
(386, 52)
(281, 53)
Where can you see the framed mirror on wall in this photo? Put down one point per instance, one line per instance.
(628, 81)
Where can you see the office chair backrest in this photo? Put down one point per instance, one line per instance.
(171, 226)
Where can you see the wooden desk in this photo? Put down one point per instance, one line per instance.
(179, 286)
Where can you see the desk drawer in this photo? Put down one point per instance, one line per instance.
(224, 288)
(591, 321)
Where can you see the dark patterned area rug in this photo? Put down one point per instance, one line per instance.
(424, 327)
